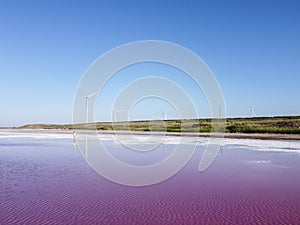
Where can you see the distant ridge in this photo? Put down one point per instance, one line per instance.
(278, 124)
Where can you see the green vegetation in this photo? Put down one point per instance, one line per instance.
(279, 125)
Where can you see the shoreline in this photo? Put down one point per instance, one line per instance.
(259, 136)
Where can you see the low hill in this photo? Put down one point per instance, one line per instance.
(280, 125)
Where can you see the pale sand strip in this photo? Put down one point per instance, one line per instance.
(264, 136)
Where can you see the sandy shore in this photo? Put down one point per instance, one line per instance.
(215, 135)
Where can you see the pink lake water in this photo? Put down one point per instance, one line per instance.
(45, 180)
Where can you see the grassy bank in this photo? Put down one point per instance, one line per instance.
(279, 125)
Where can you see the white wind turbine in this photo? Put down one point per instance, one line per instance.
(164, 115)
(116, 112)
(87, 104)
(253, 114)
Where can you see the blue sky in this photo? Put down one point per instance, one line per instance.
(252, 47)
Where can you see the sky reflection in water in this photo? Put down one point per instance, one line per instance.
(44, 179)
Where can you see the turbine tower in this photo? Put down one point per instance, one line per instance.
(253, 114)
(87, 105)
(164, 115)
(116, 112)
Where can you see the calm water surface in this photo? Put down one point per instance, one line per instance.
(45, 180)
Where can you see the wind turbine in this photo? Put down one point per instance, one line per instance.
(87, 104)
(115, 114)
(164, 115)
(253, 113)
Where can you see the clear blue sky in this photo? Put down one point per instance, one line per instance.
(252, 47)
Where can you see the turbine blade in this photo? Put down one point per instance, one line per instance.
(90, 95)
